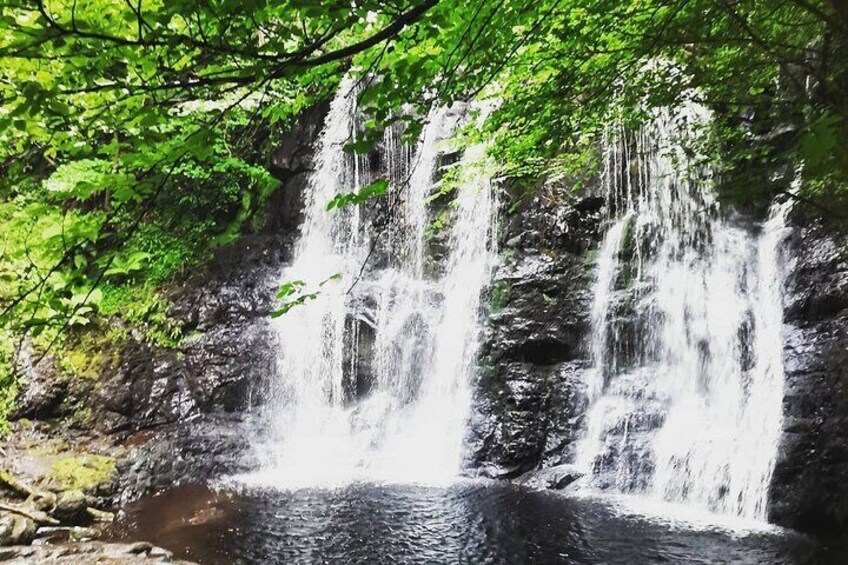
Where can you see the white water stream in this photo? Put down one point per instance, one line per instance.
(687, 384)
(375, 383)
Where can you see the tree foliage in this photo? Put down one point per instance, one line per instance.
(127, 127)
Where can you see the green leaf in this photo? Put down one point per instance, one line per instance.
(377, 188)
(818, 142)
(290, 288)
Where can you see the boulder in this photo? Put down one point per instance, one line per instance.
(72, 508)
(16, 529)
(43, 390)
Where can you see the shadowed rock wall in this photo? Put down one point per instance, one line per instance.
(810, 485)
(530, 399)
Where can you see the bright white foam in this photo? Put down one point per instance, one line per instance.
(681, 517)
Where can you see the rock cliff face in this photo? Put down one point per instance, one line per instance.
(529, 399)
(809, 489)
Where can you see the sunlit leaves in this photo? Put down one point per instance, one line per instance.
(295, 293)
(126, 264)
(127, 137)
(83, 179)
(375, 189)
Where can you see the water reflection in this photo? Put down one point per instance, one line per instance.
(465, 523)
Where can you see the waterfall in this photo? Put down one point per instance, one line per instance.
(374, 375)
(687, 383)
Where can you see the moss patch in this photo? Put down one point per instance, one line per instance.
(88, 354)
(500, 296)
(82, 472)
(8, 382)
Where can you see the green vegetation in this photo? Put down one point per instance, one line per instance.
(500, 296)
(83, 472)
(8, 384)
(134, 135)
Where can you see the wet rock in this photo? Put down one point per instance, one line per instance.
(503, 472)
(148, 389)
(87, 553)
(224, 365)
(808, 489)
(540, 312)
(72, 508)
(359, 340)
(16, 529)
(192, 452)
(530, 399)
(527, 416)
(555, 478)
(292, 154)
(43, 391)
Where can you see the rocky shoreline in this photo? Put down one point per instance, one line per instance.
(140, 553)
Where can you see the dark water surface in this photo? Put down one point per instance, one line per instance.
(463, 523)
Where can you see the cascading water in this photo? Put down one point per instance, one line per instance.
(373, 383)
(686, 389)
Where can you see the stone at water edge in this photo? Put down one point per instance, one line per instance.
(72, 508)
(87, 553)
(45, 501)
(556, 478)
(81, 534)
(16, 529)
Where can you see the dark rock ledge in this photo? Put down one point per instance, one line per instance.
(529, 400)
(809, 489)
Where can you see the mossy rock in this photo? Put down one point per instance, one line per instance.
(500, 295)
(92, 352)
(83, 472)
(71, 507)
